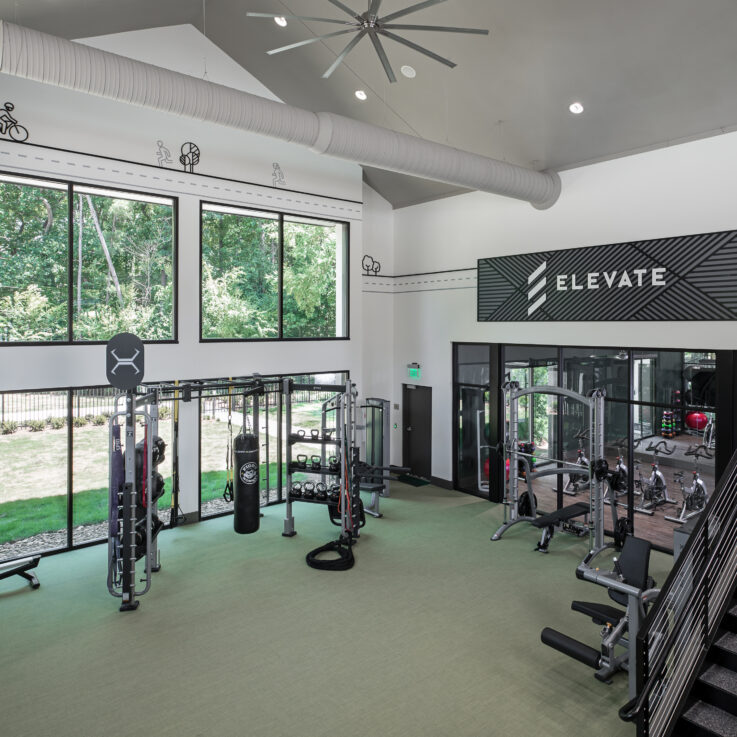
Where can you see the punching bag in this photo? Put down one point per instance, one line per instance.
(246, 501)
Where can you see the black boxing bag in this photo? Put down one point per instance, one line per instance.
(246, 497)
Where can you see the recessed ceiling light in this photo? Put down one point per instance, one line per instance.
(360, 94)
(280, 21)
(408, 71)
(576, 108)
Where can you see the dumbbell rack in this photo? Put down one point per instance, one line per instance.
(342, 439)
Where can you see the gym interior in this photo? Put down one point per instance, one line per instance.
(320, 416)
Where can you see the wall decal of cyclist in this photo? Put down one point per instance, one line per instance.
(9, 126)
(163, 155)
(277, 177)
(190, 156)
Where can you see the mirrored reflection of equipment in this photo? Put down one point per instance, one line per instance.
(618, 477)
(654, 489)
(578, 481)
(696, 496)
(629, 585)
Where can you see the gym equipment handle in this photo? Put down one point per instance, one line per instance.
(696, 451)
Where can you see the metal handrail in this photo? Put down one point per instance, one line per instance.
(680, 627)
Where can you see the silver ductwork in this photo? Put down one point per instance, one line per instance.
(57, 61)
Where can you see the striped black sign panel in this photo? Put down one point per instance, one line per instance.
(691, 277)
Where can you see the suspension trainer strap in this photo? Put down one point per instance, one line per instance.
(228, 492)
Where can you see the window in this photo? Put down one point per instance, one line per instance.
(314, 256)
(123, 253)
(34, 242)
(272, 276)
(240, 274)
(82, 264)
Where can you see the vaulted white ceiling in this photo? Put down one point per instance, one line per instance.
(649, 73)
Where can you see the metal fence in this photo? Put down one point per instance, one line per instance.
(25, 408)
(680, 628)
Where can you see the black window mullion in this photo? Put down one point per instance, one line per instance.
(70, 468)
(281, 276)
(70, 262)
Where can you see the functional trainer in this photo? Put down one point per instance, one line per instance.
(523, 507)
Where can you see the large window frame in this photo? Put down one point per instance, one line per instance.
(281, 217)
(72, 187)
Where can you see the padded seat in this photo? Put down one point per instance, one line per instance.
(569, 512)
(601, 613)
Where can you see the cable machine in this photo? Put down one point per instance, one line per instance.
(523, 507)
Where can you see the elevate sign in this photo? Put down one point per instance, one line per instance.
(686, 278)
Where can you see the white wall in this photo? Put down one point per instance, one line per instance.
(59, 119)
(682, 190)
(93, 140)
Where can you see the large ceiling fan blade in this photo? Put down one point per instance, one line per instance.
(444, 29)
(346, 9)
(414, 46)
(347, 50)
(310, 41)
(374, 7)
(410, 9)
(382, 56)
(300, 17)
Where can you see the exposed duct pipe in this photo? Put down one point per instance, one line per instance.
(52, 60)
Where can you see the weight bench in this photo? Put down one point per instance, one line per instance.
(548, 522)
(21, 568)
(377, 491)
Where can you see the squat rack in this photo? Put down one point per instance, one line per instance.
(594, 402)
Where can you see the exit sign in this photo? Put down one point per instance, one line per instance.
(413, 370)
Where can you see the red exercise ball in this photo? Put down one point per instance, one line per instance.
(696, 420)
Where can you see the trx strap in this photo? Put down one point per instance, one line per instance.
(228, 492)
(144, 472)
(176, 512)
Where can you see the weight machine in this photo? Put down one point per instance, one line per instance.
(132, 465)
(628, 585)
(523, 507)
(128, 541)
(377, 446)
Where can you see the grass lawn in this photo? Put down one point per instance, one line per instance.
(26, 517)
(33, 482)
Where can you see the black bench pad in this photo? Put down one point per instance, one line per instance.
(600, 613)
(569, 512)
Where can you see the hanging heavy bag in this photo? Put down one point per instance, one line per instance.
(246, 502)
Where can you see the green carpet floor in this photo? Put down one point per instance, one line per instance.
(435, 631)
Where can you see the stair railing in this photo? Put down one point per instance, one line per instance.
(682, 624)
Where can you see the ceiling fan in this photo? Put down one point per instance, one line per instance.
(371, 25)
